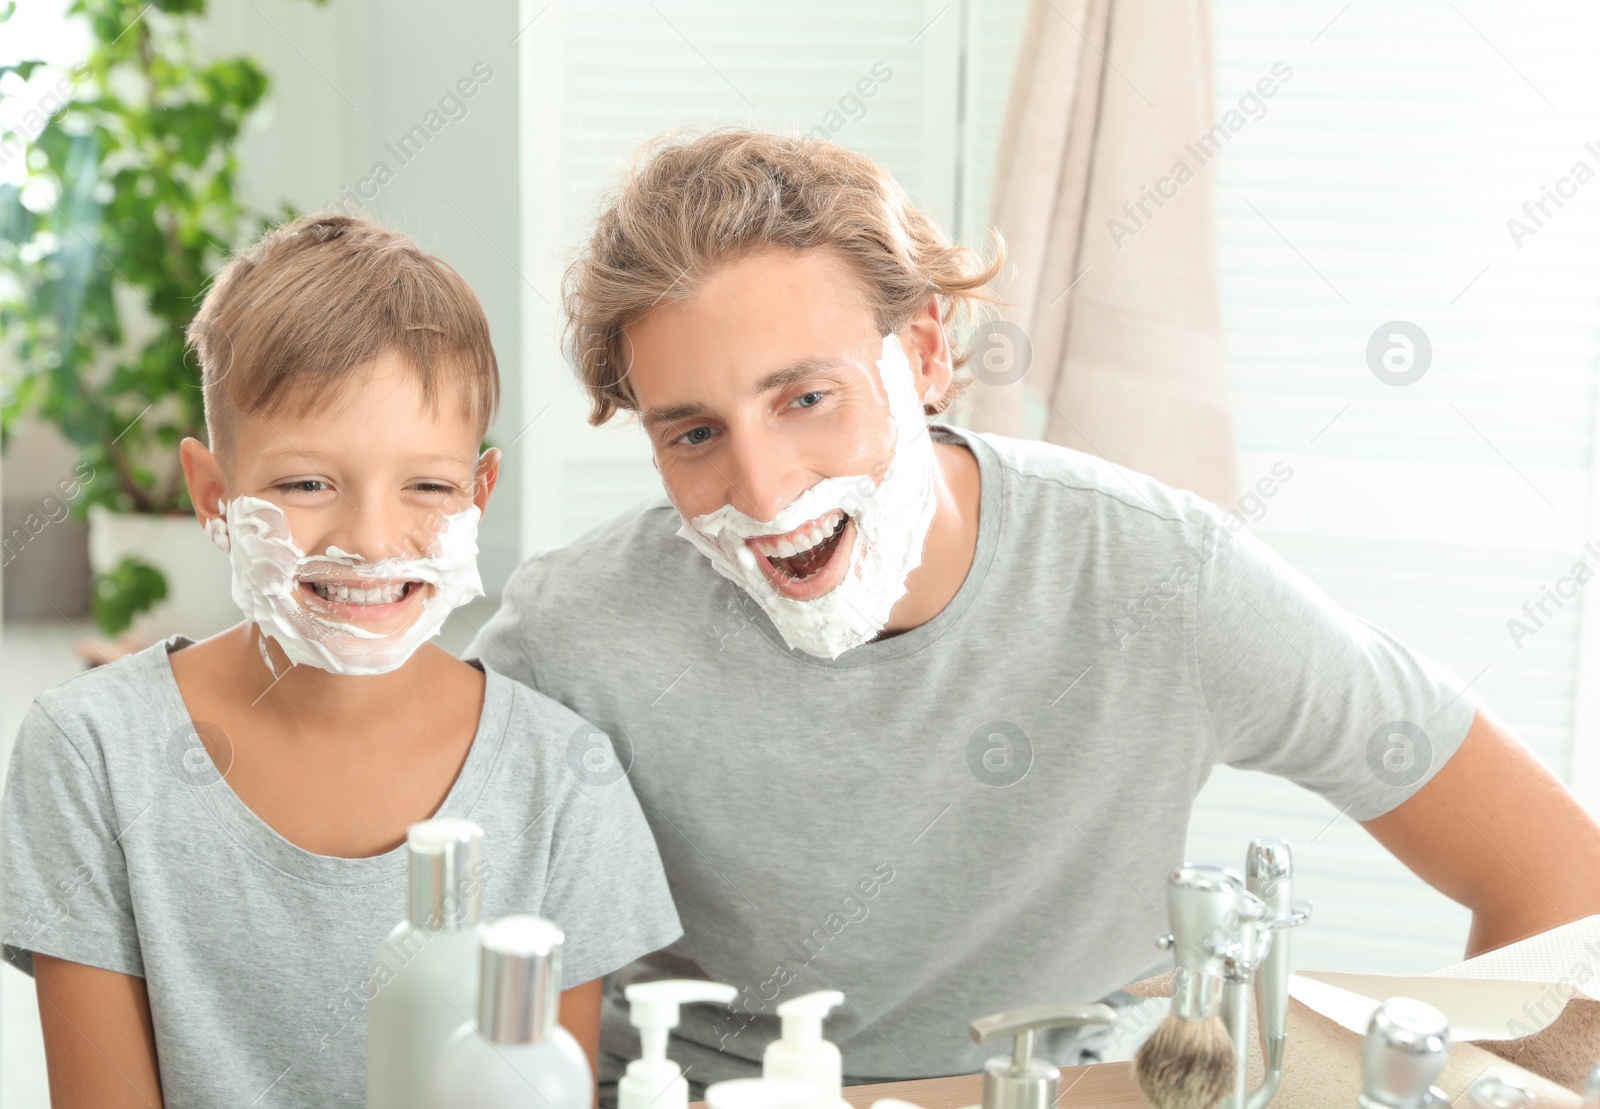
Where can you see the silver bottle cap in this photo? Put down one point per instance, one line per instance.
(1406, 1047)
(519, 992)
(446, 869)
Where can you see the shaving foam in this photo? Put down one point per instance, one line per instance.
(891, 520)
(268, 567)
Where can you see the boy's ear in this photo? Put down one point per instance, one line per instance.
(488, 474)
(202, 472)
(928, 351)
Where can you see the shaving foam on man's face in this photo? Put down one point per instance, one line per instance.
(829, 567)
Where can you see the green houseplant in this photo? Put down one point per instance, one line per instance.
(127, 204)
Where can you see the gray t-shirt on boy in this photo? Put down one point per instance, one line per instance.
(980, 813)
(124, 848)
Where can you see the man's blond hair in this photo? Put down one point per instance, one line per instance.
(695, 203)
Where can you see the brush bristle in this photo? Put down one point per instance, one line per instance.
(1186, 1064)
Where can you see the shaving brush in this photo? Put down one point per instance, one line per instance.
(1190, 1062)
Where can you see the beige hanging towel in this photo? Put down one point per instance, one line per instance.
(1103, 191)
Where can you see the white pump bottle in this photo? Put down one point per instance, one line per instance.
(653, 1081)
(515, 1055)
(426, 972)
(802, 1054)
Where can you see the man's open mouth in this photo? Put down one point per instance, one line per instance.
(805, 551)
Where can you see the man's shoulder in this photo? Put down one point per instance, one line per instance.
(630, 566)
(1040, 477)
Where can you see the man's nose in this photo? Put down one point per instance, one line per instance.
(763, 476)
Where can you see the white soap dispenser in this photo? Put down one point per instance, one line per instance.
(802, 1054)
(515, 1055)
(426, 971)
(653, 1081)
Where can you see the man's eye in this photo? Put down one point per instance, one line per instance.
(695, 437)
(810, 400)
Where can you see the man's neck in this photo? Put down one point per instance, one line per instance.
(952, 541)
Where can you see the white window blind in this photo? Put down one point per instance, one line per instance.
(1378, 188)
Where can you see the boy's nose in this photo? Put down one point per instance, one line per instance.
(379, 531)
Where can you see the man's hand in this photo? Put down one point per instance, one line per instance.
(99, 1046)
(1497, 832)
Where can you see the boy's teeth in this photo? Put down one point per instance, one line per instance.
(382, 594)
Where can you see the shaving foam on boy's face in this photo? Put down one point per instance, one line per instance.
(829, 567)
(338, 611)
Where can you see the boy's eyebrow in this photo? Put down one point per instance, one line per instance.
(778, 379)
(291, 451)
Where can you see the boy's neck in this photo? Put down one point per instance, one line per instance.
(308, 695)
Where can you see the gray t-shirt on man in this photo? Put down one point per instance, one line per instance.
(980, 813)
(124, 848)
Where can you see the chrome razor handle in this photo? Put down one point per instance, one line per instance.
(1269, 874)
(1405, 1049)
(1591, 1089)
(1251, 941)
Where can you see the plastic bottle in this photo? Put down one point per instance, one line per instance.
(653, 1081)
(802, 1054)
(515, 1055)
(426, 972)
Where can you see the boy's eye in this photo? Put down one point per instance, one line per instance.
(305, 485)
(436, 487)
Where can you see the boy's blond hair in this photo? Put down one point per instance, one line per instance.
(291, 319)
(698, 202)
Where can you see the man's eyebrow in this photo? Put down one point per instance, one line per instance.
(672, 413)
(794, 373)
(778, 379)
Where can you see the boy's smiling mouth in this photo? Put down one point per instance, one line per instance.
(358, 600)
(808, 561)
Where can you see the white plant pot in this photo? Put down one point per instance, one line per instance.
(199, 601)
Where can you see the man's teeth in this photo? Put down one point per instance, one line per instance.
(801, 539)
(382, 594)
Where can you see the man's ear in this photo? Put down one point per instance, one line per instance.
(203, 474)
(928, 351)
(488, 475)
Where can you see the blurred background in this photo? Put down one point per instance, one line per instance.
(1403, 241)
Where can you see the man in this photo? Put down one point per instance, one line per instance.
(921, 714)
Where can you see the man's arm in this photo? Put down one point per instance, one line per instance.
(100, 1048)
(1497, 832)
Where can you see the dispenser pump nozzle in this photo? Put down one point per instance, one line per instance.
(1021, 1081)
(802, 1053)
(653, 1081)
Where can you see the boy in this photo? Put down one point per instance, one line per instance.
(204, 842)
